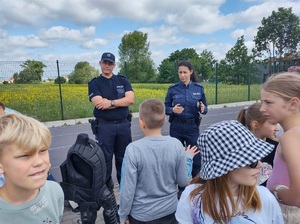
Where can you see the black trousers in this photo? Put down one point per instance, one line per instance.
(169, 219)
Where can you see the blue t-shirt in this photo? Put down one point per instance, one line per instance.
(111, 89)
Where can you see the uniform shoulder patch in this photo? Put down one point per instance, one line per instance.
(92, 79)
(173, 85)
(198, 84)
(122, 76)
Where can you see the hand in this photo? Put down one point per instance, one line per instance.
(192, 150)
(177, 109)
(103, 104)
(126, 222)
(202, 107)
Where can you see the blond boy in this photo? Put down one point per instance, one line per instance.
(26, 196)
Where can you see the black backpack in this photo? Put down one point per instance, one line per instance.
(84, 181)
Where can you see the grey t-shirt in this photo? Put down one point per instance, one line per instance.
(152, 168)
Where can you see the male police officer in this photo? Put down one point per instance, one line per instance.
(111, 94)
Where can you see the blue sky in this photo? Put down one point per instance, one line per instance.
(81, 30)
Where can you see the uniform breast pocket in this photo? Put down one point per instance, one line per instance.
(121, 92)
(177, 99)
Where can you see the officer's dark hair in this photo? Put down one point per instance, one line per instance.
(194, 77)
(152, 112)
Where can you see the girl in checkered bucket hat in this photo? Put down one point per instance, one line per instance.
(226, 189)
(280, 96)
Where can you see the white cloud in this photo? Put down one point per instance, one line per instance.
(219, 50)
(60, 32)
(45, 29)
(94, 44)
(163, 35)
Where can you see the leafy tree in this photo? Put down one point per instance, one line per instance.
(167, 72)
(60, 80)
(278, 34)
(207, 65)
(32, 72)
(83, 72)
(135, 60)
(234, 68)
(184, 54)
(168, 67)
(203, 64)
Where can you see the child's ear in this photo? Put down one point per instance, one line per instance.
(1, 169)
(254, 125)
(142, 123)
(294, 103)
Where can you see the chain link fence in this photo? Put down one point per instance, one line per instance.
(48, 101)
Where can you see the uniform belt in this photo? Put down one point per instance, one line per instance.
(185, 120)
(100, 120)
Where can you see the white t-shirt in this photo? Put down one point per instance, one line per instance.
(188, 212)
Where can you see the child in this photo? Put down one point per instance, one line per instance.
(26, 196)
(226, 190)
(280, 96)
(262, 128)
(152, 168)
(2, 111)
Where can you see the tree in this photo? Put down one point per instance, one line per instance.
(168, 67)
(207, 65)
(135, 60)
(83, 72)
(234, 68)
(203, 65)
(278, 34)
(60, 80)
(32, 72)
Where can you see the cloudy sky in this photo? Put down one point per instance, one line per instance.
(80, 30)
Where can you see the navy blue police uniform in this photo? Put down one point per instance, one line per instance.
(184, 126)
(113, 129)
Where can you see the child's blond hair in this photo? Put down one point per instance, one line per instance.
(26, 132)
(286, 85)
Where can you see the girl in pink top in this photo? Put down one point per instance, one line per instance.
(280, 96)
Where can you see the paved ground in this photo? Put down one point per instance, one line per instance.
(72, 218)
(65, 132)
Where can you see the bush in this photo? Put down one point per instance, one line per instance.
(60, 80)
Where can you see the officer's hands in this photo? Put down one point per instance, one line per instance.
(104, 104)
(192, 150)
(177, 109)
(202, 107)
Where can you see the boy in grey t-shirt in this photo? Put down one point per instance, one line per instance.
(152, 168)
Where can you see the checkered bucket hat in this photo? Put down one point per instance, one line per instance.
(228, 145)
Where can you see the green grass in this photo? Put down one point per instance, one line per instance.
(43, 101)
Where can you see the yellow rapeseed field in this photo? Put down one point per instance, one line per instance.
(44, 101)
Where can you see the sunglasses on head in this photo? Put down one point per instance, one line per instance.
(254, 165)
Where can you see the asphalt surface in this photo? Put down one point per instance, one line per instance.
(64, 134)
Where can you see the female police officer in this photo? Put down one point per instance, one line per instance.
(184, 102)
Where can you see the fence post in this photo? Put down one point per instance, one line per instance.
(249, 82)
(60, 94)
(216, 83)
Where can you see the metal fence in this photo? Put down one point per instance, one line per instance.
(47, 101)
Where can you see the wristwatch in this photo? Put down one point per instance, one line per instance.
(112, 103)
